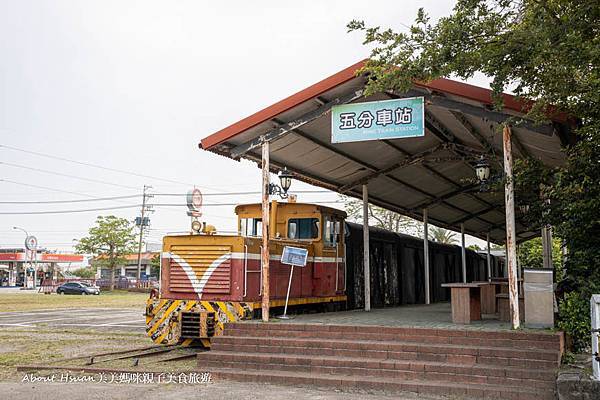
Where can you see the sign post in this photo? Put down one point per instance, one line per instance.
(31, 245)
(294, 256)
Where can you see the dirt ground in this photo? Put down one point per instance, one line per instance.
(225, 390)
(83, 325)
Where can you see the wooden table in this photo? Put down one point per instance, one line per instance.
(503, 284)
(466, 301)
(488, 296)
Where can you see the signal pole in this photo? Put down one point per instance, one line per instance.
(142, 225)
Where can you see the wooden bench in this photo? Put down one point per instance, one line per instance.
(466, 301)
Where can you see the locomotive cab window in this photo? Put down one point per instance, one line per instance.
(303, 228)
(331, 231)
(251, 226)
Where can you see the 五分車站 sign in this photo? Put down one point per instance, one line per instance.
(387, 119)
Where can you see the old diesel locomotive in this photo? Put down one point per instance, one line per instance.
(207, 280)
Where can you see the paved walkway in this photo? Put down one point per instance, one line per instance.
(438, 316)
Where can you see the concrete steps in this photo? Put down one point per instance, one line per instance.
(504, 365)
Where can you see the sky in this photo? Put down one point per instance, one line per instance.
(135, 85)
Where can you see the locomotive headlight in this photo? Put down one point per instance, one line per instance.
(196, 225)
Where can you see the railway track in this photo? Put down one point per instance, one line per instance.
(142, 359)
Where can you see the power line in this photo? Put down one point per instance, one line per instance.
(68, 211)
(239, 193)
(101, 166)
(67, 175)
(232, 204)
(46, 188)
(71, 201)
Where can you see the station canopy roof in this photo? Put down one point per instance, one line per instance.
(404, 175)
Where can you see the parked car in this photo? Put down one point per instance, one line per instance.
(82, 288)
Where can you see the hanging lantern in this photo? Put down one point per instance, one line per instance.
(482, 169)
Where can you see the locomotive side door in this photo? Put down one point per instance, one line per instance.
(334, 251)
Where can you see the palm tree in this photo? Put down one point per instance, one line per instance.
(442, 235)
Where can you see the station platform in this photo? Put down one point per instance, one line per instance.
(434, 316)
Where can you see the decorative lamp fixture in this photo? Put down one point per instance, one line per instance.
(482, 169)
(285, 180)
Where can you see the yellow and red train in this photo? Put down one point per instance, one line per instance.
(208, 280)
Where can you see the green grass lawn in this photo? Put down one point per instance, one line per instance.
(37, 301)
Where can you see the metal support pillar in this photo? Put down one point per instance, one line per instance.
(426, 255)
(511, 251)
(463, 252)
(489, 258)
(265, 232)
(366, 254)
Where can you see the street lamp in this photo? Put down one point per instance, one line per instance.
(285, 180)
(21, 229)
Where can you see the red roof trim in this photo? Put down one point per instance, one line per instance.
(465, 90)
(272, 111)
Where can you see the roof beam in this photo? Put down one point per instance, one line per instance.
(488, 114)
(476, 214)
(408, 160)
(364, 164)
(318, 181)
(460, 117)
(520, 148)
(484, 111)
(304, 119)
(449, 195)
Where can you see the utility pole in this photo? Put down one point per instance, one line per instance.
(142, 225)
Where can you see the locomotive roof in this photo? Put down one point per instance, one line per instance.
(403, 175)
(321, 208)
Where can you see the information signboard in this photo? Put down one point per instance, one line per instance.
(375, 120)
(294, 256)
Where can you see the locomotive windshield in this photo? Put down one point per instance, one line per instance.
(303, 228)
(251, 226)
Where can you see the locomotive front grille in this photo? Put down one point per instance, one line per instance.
(198, 260)
(197, 325)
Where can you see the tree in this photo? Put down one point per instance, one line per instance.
(155, 265)
(530, 255)
(86, 272)
(546, 52)
(108, 241)
(442, 235)
(385, 219)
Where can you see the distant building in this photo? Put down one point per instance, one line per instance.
(17, 266)
(130, 268)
